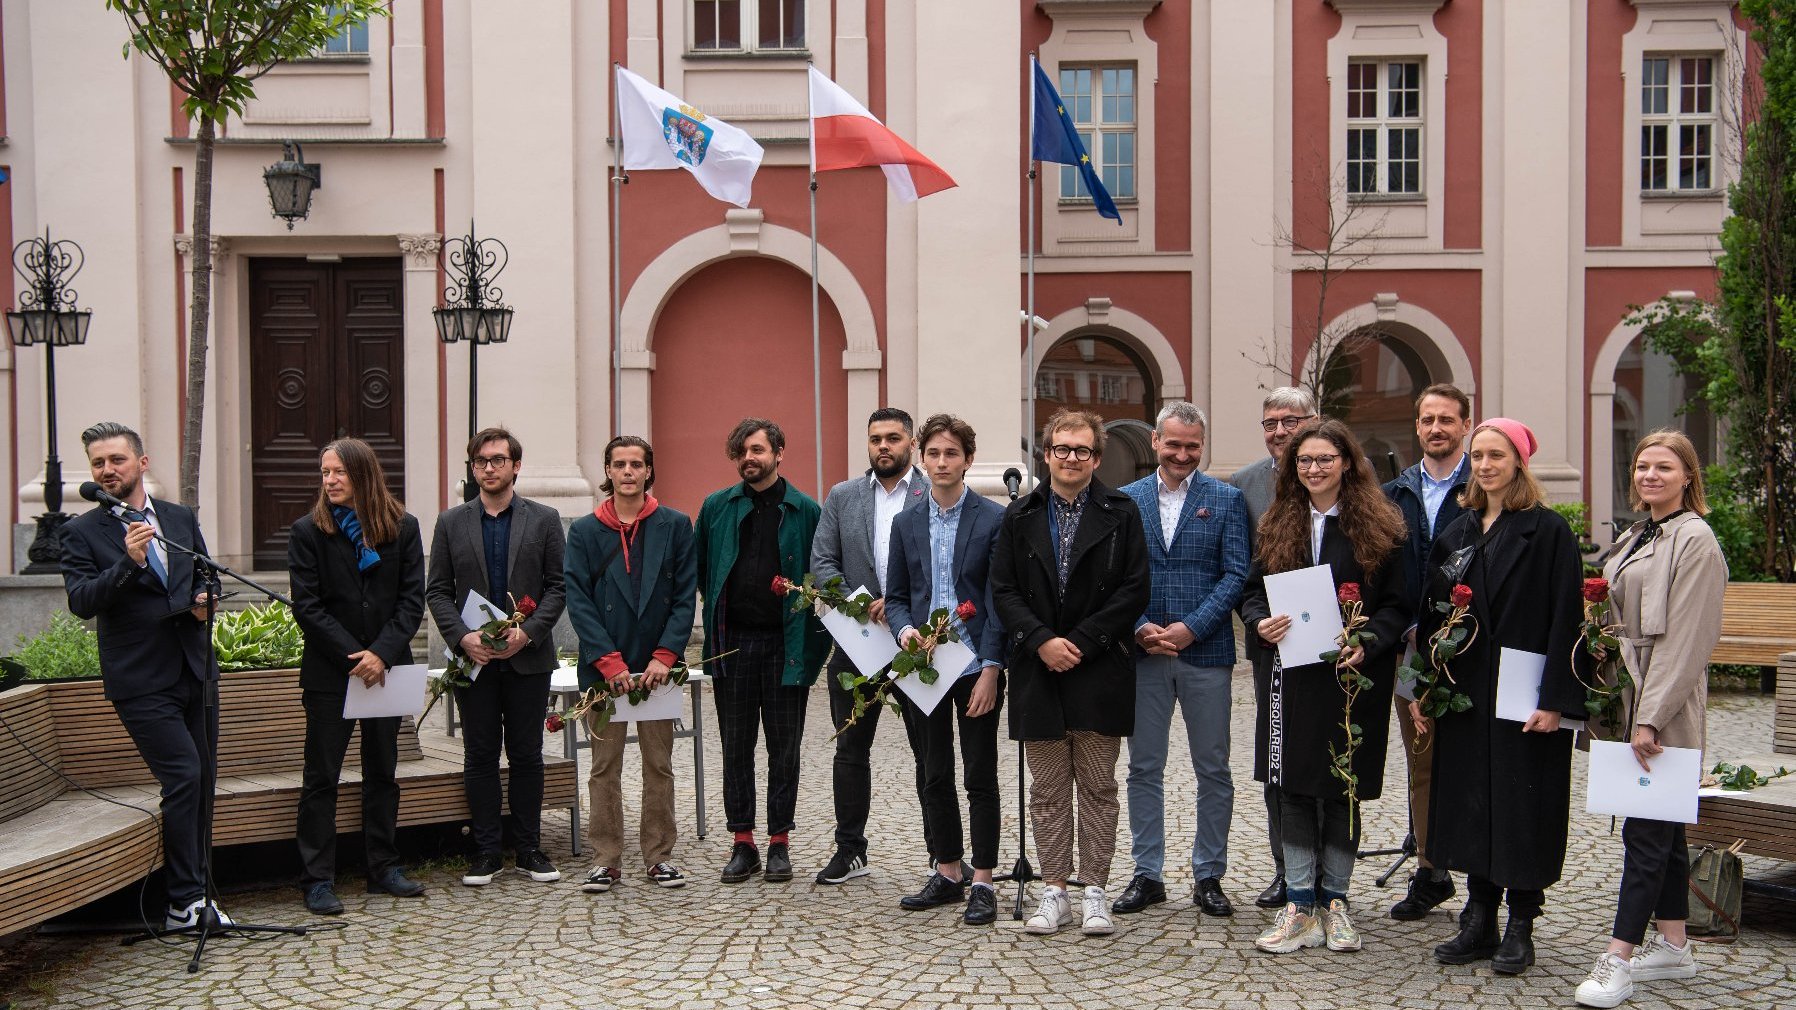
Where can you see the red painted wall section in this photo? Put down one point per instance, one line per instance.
(1462, 22)
(876, 58)
(711, 370)
(435, 119)
(1609, 296)
(1454, 296)
(1609, 20)
(1170, 27)
(1312, 25)
(1163, 299)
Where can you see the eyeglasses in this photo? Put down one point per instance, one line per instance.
(489, 462)
(1316, 462)
(1287, 423)
(1078, 452)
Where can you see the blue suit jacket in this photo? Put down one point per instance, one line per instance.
(910, 581)
(608, 614)
(1201, 577)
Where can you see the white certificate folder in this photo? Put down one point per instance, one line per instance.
(1307, 596)
(401, 694)
(1518, 686)
(1620, 787)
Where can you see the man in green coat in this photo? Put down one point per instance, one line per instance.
(747, 534)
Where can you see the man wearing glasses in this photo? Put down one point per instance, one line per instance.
(1069, 579)
(1284, 410)
(504, 547)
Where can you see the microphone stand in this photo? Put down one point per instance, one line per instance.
(207, 571)
(1021, 873)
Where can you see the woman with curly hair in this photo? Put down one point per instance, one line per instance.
(1328, 510)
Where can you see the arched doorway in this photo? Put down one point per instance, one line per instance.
(1103, 374)
(1372, 381)
(1651, 392)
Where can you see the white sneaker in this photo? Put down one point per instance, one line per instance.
(1657, 959)
(1294, 928)
(1097, 914)
(189, 917)
(1338, 927)
(1610, 984)
(1055, 909)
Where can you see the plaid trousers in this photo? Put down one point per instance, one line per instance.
(747, 689)
(1086, 760)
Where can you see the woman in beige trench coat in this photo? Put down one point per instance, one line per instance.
(1666, 580)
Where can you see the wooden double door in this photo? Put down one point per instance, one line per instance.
(326, 358)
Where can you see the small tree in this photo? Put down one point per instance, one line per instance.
(213, 51)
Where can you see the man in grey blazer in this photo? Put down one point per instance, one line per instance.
(506, 548)
(1284, 410)
(853, 540)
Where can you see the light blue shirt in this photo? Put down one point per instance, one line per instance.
(944, 528)
(1434, 492)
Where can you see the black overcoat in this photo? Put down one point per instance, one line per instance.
(1107, 590)
(342, 610)
(1309, 699)
(1500, 797)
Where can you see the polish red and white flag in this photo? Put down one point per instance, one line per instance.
(845, 135)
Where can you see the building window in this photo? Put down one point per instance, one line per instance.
(1101, 101)
(747, 26)
(1384, 127)
(1677, 123)
(350, 42)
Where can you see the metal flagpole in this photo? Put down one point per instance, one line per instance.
(816, 326)
(1029, 315)
(618, 178)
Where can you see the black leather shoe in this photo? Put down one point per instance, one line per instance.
(1516, 953)
(1141, 892)
(1477, 939)
(1274, 894)
(982, 906)
(937, 890)
(1208, 896)
(321, 899)
(395, 883)
(1424, 894)
(745, 861)
(779, 864)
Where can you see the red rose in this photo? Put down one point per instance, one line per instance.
(554, 723)
(526, 607)
(1462, 595)
(1596, 590)
(966, 610)
(1348, 593)
(781, 585)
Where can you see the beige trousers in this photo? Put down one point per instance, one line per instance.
(605, 821)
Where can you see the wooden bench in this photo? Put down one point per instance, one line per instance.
(60, 847)
(1758, 623)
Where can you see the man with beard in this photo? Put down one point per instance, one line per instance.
(1429, 503)
(853, 539)
(747, 534)
(153, 670)
(506, 548)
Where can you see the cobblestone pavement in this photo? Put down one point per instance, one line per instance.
(520, 944)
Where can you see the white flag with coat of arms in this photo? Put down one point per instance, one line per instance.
(660, 131)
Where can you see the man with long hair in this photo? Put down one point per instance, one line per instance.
(356, 562)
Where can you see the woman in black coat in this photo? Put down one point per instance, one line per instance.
(357, 568)
(1502, 788)
(1324, 486)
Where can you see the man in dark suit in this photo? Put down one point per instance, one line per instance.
(851, 541)
(155, 666)
(941, 557)
(1069, 580)
(507, 548)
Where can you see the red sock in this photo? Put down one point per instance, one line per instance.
(779, 839)
(745, 836)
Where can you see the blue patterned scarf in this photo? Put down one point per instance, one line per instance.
(351, 527)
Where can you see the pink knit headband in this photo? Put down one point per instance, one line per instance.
(1516, 432)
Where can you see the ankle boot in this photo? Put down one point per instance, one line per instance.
(1516, 953)
(1477, 937)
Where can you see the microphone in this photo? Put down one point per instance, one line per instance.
(1013, 482)
(95, 493)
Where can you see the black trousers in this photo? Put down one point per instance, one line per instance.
(853, 767)
(327, 740)
(932, 737)
(504, 708)
(169, 729)
(750, 697)
(1655, 877)
(1523, 902)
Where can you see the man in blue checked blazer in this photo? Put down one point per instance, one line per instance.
(1197, 544)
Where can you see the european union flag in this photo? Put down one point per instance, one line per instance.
(1053, 137)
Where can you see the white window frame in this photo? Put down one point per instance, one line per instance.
(348, 53)
(1383, 124)
(1094, 129)
(1674, 121)
(749, 12)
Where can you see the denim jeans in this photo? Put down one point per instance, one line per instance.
(1311, 823)
(1202, 695)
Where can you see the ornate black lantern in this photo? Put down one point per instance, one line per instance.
(472, 311)
(290, 184)
(47, 314)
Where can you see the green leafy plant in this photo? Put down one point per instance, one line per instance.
(1740, 778)
(65, 650)
(258, 638)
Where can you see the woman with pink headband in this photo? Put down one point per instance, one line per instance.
(1502, 788)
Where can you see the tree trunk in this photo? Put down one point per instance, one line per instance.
(199, 314)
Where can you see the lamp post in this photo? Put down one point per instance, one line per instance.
(47, 314)
(290, 184)
(472, 311)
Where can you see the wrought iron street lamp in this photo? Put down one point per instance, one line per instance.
(472, 311)
(290, 184)
(47, 314)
